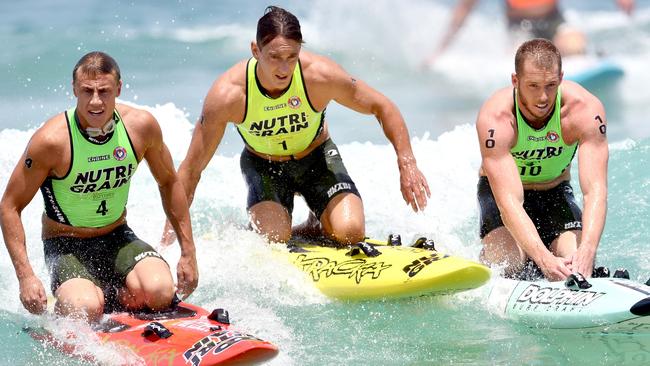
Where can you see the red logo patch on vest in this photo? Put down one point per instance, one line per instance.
(294, 102)
(552, 136)
(119, 153)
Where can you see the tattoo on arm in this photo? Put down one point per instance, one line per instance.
(602, 127)
(353, 80)
(28, 162)
(201, 119)
(489, 142)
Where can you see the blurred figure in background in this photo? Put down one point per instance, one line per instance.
(526, 19)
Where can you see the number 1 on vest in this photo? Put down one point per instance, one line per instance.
(284, 144)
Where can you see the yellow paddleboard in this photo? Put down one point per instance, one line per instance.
(381, 271)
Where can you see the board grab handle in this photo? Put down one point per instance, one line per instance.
(577, 281)
(156, 329)
(367, 246)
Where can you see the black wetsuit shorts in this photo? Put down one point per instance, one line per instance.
(318, 177)
(553, 211)
(104, 260)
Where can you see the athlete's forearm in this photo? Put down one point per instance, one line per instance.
(207, 135)
(395, 130)
(177, 211)
(13, 233)
(189, 179)
(593, 218)
(593, 156)
(523, 230)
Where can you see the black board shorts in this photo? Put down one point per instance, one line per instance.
(104, 260)
(318, 177)
(553, 211)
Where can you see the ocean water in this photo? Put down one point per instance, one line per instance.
(171, 52)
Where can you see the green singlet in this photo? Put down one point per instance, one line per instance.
(95, 190)
(280, 126)
(541, 155)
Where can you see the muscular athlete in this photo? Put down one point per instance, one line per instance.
(277, 99)
(528, 134)
(83, 160)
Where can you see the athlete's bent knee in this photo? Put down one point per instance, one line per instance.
(158, 293)
(349, 232)
(149, 285)
(271, 220)
(85, 302)
(160, 299)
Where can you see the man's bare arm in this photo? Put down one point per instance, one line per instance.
(593, 155)
(359, 96)
(174, 202)
(31, 171)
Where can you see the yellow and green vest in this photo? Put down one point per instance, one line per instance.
(541, 154)
(95, 190)
(280, 126)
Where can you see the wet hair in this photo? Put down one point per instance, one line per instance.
(277, 22)
(96, 63)
(543, 53)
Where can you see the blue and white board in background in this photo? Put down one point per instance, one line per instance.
(609, 305)
(592, 73)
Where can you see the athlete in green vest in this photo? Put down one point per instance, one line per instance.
(528, 135)
(277, 100)
(83, 160)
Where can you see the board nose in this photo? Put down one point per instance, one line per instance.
(641, 308)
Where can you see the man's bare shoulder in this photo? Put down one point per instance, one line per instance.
(227, 95)
(142, 127)
(498, 108)
(230, 83)
(53, 135)
(135, 118)
(50, 142)
(317, 68)
(577, 100)
(582, 114)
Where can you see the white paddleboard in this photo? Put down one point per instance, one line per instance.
(609, 305)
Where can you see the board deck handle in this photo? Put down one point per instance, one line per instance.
(622, 273)
(577, 280)
(220, 315)
(368, 249)
(158, 329)
(600, 272)
(424, 243)
(394, 240)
